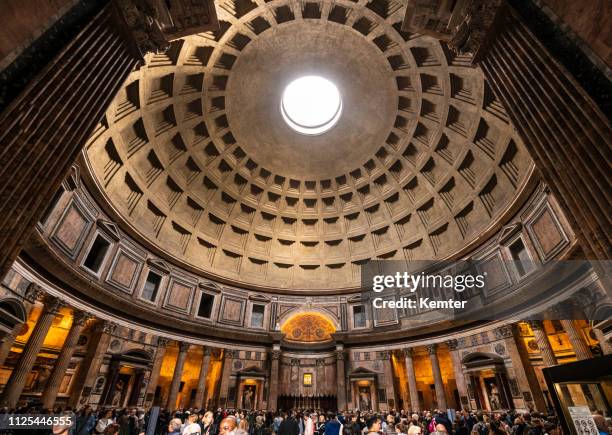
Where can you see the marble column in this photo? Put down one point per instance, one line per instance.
(437, 374)
(6, 343)
(89, 369)
(606, 347)
(61, 363)
(520, 365)
(19, 375)
(413, 391)
(389, 378)
(459, 377)
(548, 355)
(154, 376)
(201, 390)
(580, 347)
(228, 360)
(176, 376)
(340, 381)
(274, 380)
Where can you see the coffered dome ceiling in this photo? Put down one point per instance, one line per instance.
(194, 157)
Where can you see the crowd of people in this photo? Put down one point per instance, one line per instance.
(304, 422)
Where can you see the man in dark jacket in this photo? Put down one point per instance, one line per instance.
(289, 426)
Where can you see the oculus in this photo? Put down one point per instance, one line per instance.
(311, 105)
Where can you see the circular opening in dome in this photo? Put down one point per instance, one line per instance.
(311, 105)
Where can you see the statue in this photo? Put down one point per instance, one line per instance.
(247, 397)
(494, 397)
(364, 399)
(117, 393)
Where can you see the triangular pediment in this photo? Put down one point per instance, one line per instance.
(208, 285)
(110, 228)
(361, 371)
(508, 231)
(160, 265)
(252, 370)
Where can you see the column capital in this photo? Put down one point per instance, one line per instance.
(276, 354)
(535, 324)
(340, 355)
(385, 354)
(34, 292)
(51, 304)
(80, 318)
(183, 346)
(408, 352)
(108, 327)
(207, 351)
(504, 331)
(453, 344)
(162, 341)
(432, 348)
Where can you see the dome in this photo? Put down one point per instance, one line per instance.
(194, 157)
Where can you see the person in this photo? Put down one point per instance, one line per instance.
(320, 426)
(537, 427)
(495, 428)
(111, 429)
(400, 429)
(461, 426)
(85, 421)
(333, 426)
(227, 426)
(289, 426)
(308, 425)
(243, 425)
(442, 424)
(389, 425)
(106, 419)
(480, 428)
(414, 429)
(207, 426)
(278, 419)
(600, 422)
(191, 426)
(174, 427)
(259, 426)
(373, 425)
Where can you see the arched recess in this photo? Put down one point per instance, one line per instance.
(308, 326)
(126, 378)
(332, 317)
(488, 378)
(12, 313)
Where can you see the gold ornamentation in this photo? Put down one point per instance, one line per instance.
(308, 327)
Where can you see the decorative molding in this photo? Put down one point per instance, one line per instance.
(159, 265)
(503, 332)
(34, 292)
(453, 344)
(509, 231)
(162, 342)
(109, 228)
